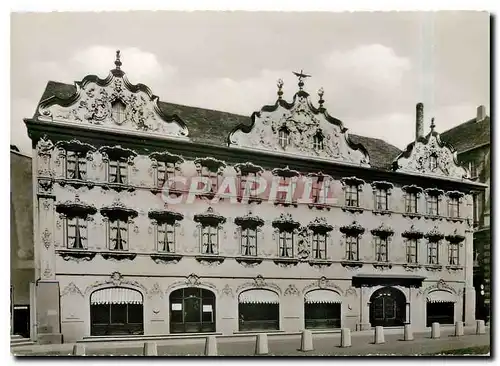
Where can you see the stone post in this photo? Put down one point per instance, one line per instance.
(435, 331)
(79, 349)
(261, 345)
(211, 346)
(459, 329)
(345, 337)
(379, 335)
(150, 349)
(480, 328)
(306, 343)
(408, 333)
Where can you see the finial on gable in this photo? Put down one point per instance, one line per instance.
(301, 77)
(280, 84)
(321, 92)
(433, 125)
(118, 63)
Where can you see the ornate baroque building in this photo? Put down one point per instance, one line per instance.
(295, 225)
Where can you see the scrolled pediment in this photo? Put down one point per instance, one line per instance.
(432, 157)
(312, 132)
(113, 103)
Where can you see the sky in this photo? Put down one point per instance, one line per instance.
(374, 67)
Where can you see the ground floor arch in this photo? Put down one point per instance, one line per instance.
(387, 307)
(116, 311)
(192, 310)
(322, 309)
(258, 309)
(440, 308)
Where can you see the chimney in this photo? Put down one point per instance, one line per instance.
(419, 125)
(481, 113)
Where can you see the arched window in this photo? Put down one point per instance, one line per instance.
(318, 141)
(258, 309)
(433, 163)
(116, 310)
(440, 308)
(322, 309)
(192, 310)
(118, 111)
(284, 137)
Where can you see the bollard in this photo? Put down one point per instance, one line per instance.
(79, 350)
(379, 335)
(459, 329)
(435, 331)
(261, 345)
(480, 328)
(150, 349)
(345, 337)
(306, 343)
(408, 333)
(211, 346)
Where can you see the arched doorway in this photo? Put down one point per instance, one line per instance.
(116, 310)
(192, 310)
(322, 309)
(387, 307)
(258, 309)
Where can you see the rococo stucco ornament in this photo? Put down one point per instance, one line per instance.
(430, 156)
(113, 103)
(304, 123)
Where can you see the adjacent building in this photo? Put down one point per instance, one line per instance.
(22, 271)
(472, 140)
(153, 219)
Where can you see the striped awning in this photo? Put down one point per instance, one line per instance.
(116, 295)
(259, 297)
(322, 296)
(441, 296)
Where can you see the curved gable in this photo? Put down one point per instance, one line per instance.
(93, 105)
(432, 157)
(303, 122)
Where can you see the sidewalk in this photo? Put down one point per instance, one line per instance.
(283, 345)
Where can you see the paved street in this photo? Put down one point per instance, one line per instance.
(324, 344)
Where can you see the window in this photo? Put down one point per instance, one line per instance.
(381, 249)
(251, 178)
(76, 166)
(210, 239)
(411, 250)
(352, 196)
(213, 177)
(352, 248)
(164, 172)
(453, 207)
(318, 142)
(453, 254)
(433, 163)
(281, 196)
(381, 199)
(284, 137)
(117, 171)
(319, 245)
(249, 241)
(166, 237)
(118, 235)
(318, 194)
(286, 244)
(118, 112)
(433, 205)
(411, 202)
(76, 230)
(432, 252)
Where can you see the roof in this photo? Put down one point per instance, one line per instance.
(468, 135)
(213, 127)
